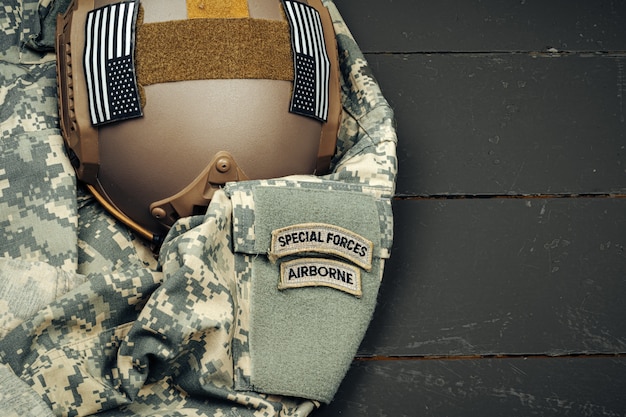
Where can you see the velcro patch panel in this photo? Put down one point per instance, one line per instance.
(217, 9)
(171, 51)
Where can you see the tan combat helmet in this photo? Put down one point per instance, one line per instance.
(163, 101)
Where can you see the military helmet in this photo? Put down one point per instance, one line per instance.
(163, 101)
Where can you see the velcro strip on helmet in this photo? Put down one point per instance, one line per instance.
(198, 49)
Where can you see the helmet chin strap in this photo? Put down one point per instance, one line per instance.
(121, 216)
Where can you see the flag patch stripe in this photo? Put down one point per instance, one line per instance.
(109, 63)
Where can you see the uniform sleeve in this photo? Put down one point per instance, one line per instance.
(314, 248)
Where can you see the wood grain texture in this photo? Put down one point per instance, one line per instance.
(503, 276)
(486, 25)
(489, 387)
(502, 124)
(504, 292)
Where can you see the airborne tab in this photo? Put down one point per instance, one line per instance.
(313, 272)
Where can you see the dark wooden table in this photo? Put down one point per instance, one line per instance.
(506, 291)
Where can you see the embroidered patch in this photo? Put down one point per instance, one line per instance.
(322, 238)
(311, 63)
(313, 272)
(109, 63)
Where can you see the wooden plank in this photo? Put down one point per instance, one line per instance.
(507, 123)
(486, 25)
(503, 276)
(484, 387)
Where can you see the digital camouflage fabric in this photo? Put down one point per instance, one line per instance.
(91, 322)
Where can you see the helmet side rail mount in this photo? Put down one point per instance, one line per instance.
(194, 198)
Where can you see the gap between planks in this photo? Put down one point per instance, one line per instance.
(491, 356)
(548, 53)
(505, 196)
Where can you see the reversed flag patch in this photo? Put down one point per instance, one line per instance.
(110, 63)
(311, 63)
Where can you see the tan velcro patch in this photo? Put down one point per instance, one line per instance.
(204, 49)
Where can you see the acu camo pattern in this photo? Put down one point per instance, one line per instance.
(78, 290)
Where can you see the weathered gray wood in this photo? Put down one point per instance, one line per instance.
(486, 25)
(507, 123)
(487, 387)
(503, 276)
(496, 98)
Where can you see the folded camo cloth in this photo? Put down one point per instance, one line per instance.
(91, 322)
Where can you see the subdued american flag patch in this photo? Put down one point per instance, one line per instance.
(110, 64)
(311, 63)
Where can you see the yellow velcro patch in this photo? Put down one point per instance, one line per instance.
(217, 9)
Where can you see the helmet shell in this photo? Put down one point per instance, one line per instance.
(194, 134)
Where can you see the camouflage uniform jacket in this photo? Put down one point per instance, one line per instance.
(91, 322)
